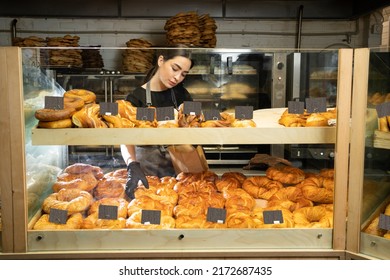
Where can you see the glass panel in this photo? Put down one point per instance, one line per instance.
(222, 79)
(376, 187)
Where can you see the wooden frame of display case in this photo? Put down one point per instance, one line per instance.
(360, 245)
(311, 243)
(12, 178)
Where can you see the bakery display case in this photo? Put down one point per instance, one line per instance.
(369, 190)
(41, 157)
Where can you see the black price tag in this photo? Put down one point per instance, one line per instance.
(58, 216)
(108, 212)
(296, 107)
(145, 114)
(212, 115)
(108, 108)
(151, 217)
(192, 108)
(316, 104)
(384, 222)
(54, 102)
(243, 112)
(216, 215)
(165, 113)
(383, 109)
(273, 217)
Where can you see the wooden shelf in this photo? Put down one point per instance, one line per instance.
(268, 131)
(168, 136)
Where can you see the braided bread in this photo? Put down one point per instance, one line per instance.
(71, 200)
(73, 222)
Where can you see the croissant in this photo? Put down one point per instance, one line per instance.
(261, 187)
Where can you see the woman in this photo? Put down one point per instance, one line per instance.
(163, 88)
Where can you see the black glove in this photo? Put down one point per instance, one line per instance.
(134, 174)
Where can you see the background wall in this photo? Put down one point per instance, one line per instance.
(365, 31)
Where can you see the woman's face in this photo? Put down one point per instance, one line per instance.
(173, 71)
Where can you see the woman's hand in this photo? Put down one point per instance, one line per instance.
(134, 175)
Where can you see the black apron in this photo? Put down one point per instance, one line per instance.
(155, 160)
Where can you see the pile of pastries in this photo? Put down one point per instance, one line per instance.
(31, 41)
(81, 110)
(191, 29)
(92, 58)
(373, 227)
(308, 119)
(139, 57)
(304, 200)
(69, 56)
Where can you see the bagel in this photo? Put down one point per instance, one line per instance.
(73, 102)
(86, 95)
(65, 180)
(73, 222)
(65, 123)
(79, 168)
(49, 115)
(312, 217)
(72, 184)
(288, 175)
(70, 200)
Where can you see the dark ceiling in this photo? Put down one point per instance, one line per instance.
(255, 9)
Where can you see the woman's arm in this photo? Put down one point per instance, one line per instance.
(128, 153)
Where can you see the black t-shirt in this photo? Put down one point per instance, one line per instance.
(160, 98)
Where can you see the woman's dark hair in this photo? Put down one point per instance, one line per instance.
(169, 53)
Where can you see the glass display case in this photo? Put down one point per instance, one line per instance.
(45, 159)
(369, 171)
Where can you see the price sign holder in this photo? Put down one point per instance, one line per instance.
(192, 107)
(145, 114)
(212, 115)
(108, 212)
(273, 217)
(165, 113)
(216, 215)
(108, 108)
(58, 216)
(54, 102)
(152, 217)
(296, 107)
(316, 104)
(243, 112)
(384, 222)
(383, 109)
